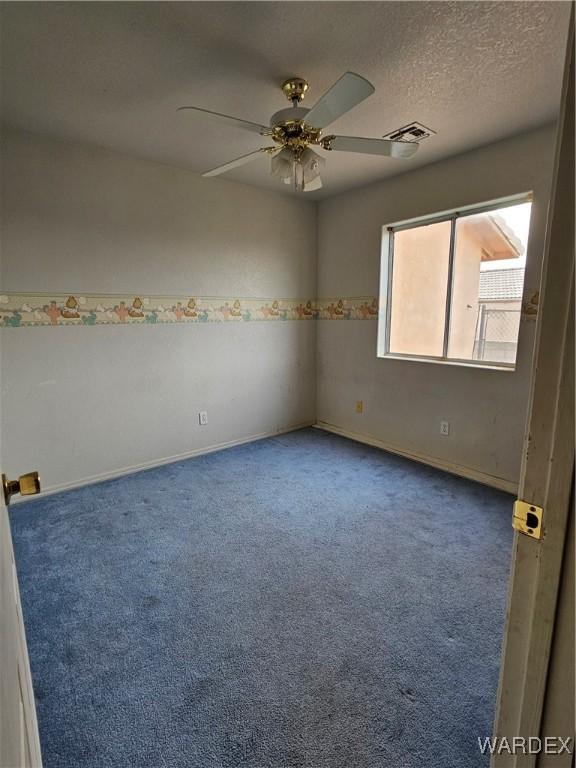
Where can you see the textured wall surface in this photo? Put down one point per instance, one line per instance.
(404, 401)
(80, 402)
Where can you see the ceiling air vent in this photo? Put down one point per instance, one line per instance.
(410, 132)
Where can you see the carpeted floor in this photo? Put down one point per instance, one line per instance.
(300, 602)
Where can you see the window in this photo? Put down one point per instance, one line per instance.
(451, 288)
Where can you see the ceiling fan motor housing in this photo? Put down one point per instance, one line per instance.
(290, 130)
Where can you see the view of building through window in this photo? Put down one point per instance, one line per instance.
(455, 286)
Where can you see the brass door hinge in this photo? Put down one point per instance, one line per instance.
(527, 519)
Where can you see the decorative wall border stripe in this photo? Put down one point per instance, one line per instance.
(36, 309)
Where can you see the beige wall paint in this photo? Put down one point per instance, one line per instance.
(419, 290)
(404, 401)
(81, 402)
(466, 284)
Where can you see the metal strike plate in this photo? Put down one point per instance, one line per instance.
(527, 519)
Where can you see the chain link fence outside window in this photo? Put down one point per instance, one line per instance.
(496, 337)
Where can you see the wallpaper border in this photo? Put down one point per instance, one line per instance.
(18, 310)
(21, 310)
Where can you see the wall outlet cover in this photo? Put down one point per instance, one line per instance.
(359, 406)
(445, 428)
(203, 418)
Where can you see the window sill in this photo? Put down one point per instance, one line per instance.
(508, 368)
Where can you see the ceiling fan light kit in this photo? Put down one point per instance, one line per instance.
(296, 129)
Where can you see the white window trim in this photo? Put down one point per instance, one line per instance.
(386, 272)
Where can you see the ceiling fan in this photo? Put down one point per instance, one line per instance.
(296, 129)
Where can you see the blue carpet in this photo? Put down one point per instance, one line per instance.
(300, 602)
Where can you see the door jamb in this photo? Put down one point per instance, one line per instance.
(547, 464)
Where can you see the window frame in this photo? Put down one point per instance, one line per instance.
(387, 272)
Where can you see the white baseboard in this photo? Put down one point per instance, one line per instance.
(92, 479)
(454, 469)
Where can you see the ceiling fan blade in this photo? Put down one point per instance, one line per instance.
(345, 94)
(234, 121)
(238, 162)
(373, 146)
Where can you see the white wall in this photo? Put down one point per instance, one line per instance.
(404, 401)
(79, 402)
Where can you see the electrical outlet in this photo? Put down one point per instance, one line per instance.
(445, 428)
(203, 418)
(359, 406)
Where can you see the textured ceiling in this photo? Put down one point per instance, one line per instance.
(113, 74)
